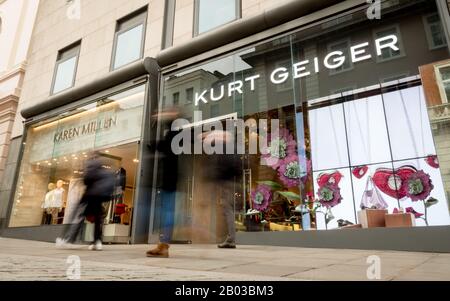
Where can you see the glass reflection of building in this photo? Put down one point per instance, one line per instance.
(358, 121)
(386, 117)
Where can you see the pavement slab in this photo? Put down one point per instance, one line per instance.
(32, 260)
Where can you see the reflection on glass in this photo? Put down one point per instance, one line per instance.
(328, 139)
(366, 131)
(408, 124)
(358, 133)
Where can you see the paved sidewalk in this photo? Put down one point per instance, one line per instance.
(30, 260)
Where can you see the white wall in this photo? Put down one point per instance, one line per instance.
(18, 18)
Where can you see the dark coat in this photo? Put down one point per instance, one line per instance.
(168, 163)
(222, 167)
(99, 181)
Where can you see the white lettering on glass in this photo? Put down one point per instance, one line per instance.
(299, 68)
(279, 75)
(200, 97)
(235, 86)
(338, 60)
(355, 51)
(252, 80)
(332, 60)
(391, 42)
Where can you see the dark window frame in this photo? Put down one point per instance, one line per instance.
(188, 99)
(65, 54)
(176, 96)
(238, 15)
(127, 23)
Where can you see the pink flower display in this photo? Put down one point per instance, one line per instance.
(289, 171)
(329, 195)
(417, 186)
(261, 197)
(279, 147)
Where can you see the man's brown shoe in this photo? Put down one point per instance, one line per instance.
(161, 250)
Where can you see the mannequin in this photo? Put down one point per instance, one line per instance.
(48, 201)
(59, 193)
(57, 201)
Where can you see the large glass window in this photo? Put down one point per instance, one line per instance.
(211, 14)
(66, 67)
(129, 39)
(342, 135)
(55, 152)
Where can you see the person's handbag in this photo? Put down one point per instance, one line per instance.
(372, 198)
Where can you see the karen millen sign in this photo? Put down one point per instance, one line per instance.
(88, 128)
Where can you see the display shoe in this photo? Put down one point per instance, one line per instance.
(161, 250)
(97, 246)
(343, 223)
(252, 212)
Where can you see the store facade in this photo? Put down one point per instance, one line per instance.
(352, 111)
(110, 117)
(361, 107)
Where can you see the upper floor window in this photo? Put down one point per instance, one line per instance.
(443, 76)
(176, 98)
(211, 14)
(129, 39)
(66, 68)
(435, 31)
(189, 95)
(344, 47)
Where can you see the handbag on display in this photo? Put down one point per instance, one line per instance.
(372, 198)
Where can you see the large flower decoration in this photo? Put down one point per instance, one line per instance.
(329, 195)
(280, 146)
(417, 186)
(290, 171)
(433, 161)
(261, 197)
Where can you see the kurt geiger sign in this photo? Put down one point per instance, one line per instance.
(302, 69)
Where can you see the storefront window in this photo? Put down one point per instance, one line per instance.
(352, 115)
(50, 181)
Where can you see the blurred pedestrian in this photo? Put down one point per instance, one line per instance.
(221, 173)
(167, 182)
(99, 182)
